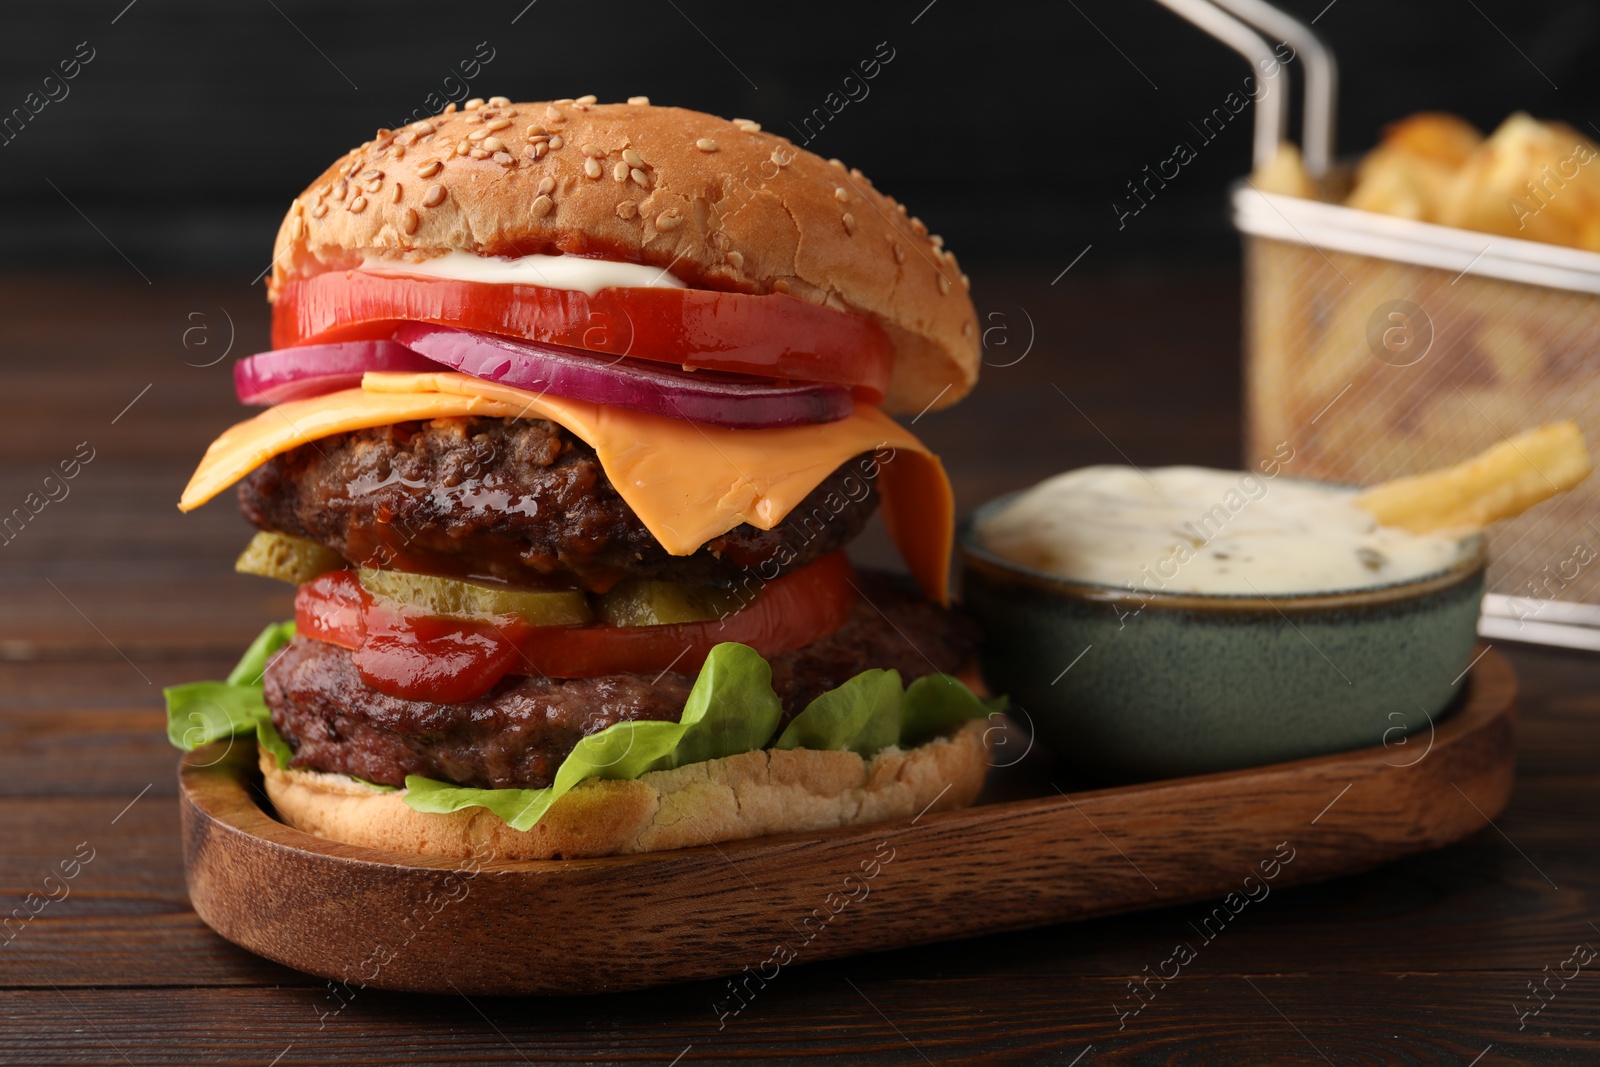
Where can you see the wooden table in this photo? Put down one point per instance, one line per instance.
(109, 594)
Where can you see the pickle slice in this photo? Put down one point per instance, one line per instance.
(644, 602)
(453, 598)
(286, 558)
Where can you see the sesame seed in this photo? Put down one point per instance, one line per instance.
(780, 157)
(394, 197)
(838, 163)
(449, 109)
(849, 223)
(374, 185)
(371, 174)
(408, 221)
(399, 151)
(780, 286)
(474, 104)
(899, 254)
(627, 209)
(503, 157)
(668, 221)
(736, 260)
(342, 190)
(944, 284)
(556, 142)
(565, 100)
(547, 184)
(640, 177)
(478, 153)
(499, 101)
(706, 144)
(542, 206)
(918, 227)
(639, 101)
(478, 135)
(591, 150)
(537, 149)
(620, 171)
(358, 205)
(429, 168)
(493, 144)
(632, 158)
(591, 167)
(434, 196)
(498, 124)
(461, 148)
(936, 241)
(966, 282)
(554, 114)
(586, 100)
(747, 125)
(319, 211)
(424, 126)
(840, 194)
(296, 228)
(536, 130)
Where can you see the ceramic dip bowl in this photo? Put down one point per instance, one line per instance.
(1129, 685)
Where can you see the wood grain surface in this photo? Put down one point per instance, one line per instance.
(110, 594)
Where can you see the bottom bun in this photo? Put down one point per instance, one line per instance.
(768, 791)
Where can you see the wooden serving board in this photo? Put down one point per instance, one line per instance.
(393, 921)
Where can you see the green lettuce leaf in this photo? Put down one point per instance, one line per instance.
(253, 664)
(861, 716)
(201, 712)
(935, 704)
(731, 709)
(269, 739)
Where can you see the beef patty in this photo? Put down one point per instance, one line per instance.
(519, 500)
(517, 735)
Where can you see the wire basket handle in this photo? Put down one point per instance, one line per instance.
(1231, 22)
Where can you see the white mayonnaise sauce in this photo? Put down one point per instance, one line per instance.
(579, 273)
(1194, 530)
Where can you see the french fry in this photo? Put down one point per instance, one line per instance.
(1409, 171)
(1535, 180)
(1285, 175)
(1500, 483)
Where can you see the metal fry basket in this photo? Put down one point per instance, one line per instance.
(1377, 346)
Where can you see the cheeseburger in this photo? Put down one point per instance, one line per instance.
(571, 411)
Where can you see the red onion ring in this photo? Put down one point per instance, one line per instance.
(696, 396)
(311, 370)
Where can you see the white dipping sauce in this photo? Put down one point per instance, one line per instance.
(1194, 530)
(581, 273)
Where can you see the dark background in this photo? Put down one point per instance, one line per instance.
(1009, 127)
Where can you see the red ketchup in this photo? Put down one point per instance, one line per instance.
(405, 653)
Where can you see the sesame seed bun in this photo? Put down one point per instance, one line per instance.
(748, 795)
(722, 204)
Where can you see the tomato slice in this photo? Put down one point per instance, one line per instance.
(791, 612)
(774, 336)
(406, 654)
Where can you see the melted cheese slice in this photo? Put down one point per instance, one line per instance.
(687, 482)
